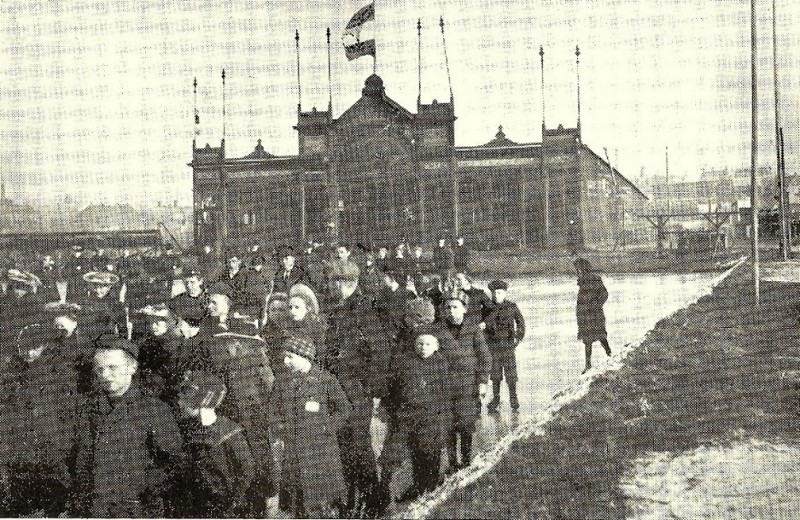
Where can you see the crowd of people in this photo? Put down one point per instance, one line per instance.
(205, 385)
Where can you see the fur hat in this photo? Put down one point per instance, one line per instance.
(300, 290)
(202, 390)
(300, 346)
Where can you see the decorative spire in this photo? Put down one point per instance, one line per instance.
(578, 70)
(446, 62)
(297, 52)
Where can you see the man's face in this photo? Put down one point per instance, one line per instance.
(158, 327)
(65, 326)
(342, 253)
(456, 311)
(499, 295)
(194, 285)
(218, 305)
(114, 370)
(297, 308)
(48, 261)
(288, 262)
(101, 291)
(382, 252)
(234, 263)
(418, 252)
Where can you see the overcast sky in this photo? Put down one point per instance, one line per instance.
(96, 97)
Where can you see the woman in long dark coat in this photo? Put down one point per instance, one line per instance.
(592, 294)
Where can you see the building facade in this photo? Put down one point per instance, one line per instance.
(379, 174)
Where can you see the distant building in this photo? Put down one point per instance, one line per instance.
(379, 173)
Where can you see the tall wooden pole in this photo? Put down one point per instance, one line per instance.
(785, 245)
(545, 171)
(754, 149)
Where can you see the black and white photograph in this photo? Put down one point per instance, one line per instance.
(420, 259)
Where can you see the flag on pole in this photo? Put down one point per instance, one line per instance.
(362, 21)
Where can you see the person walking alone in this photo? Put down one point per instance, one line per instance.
(592, 294)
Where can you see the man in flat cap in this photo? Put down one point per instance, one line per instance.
(125, 443)
(505, 328)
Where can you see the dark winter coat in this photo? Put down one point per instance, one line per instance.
(390, 307)
(461, 257)
(101, 315)
(505, 326)
(123, 454)
(469, 363)
(592, 294)
(357, 347)
(244, 366)
(422, 391)
(307, 411)
(218, 470)
(443, 258)
(479, 303)
(192, 309)
(164, 362)
(284, 282)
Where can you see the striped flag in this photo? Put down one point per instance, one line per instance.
(362, 21)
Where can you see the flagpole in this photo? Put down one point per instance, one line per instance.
(785, 245)
(297, 53)
(545, 172)
(375, 29)
(330, 82)
(419, 63)
(754, 149)
(578, 72)
(196, 116)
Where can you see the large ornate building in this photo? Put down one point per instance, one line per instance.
(379, 174)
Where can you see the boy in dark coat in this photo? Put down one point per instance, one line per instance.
(422, 388)
(505, 328)
(219, 464)
(592, 294)
(307, 409)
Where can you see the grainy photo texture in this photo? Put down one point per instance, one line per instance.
(416, 259)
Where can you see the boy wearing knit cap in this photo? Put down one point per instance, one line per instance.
(219, 464)
(307, 409)
(505, 328)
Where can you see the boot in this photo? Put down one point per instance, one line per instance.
(495, 402)
(512, 391)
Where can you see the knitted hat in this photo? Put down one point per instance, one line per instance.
(202, 390)
(419, 311)
(300, 346)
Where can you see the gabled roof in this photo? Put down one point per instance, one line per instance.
(500, 139)
(373, 96)
(258, 153)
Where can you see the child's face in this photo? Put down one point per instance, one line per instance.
(297, 308)
(499, 295)
(426, 345)
(296, 363)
